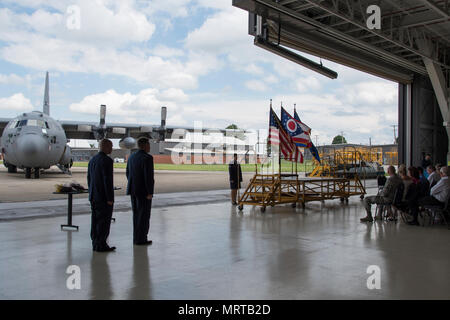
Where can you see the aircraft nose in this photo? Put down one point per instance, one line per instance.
(31, 148)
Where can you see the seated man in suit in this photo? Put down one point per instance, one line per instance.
(101, 196)
(433, 176)
(386, 197)
(141, 182)
(438, 196)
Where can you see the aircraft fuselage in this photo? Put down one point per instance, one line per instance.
(34, 140)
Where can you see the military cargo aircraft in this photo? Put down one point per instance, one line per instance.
(34, 141)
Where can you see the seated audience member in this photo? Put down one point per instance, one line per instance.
(422, 174)
(433, 176)
(385, 198)
(438, 167)
(438, 195)
(418, 189)
(414, 174)
(424, 184)
(426, 161)
(407, 180)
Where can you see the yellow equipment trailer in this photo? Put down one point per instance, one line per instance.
(332, 179)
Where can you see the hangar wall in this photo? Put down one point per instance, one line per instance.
(421, 127)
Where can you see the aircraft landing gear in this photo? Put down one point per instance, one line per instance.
(28, 173)
(36, 173)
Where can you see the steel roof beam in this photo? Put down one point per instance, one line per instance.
(436, 8)
(320, 5)
(339, 35)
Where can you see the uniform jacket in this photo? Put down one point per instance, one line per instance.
(140, 174)
(234, 169)
(100, 178)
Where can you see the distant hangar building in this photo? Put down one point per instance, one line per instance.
(207, 149)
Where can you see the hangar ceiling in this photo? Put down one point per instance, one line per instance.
(412, 33)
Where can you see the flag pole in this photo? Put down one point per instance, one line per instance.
(279, 153)
(296, 154)
(271, 151)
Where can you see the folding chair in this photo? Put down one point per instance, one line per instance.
(398, 204)
(434, 211)
(380, 209)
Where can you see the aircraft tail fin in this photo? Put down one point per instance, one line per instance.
(46, 107)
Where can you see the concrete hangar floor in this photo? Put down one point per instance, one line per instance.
(212, 251)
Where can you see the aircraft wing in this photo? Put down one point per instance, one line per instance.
(85, 130)
(214, 130)
(3, 123)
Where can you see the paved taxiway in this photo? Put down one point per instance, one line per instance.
(15, 188)
(211, 251)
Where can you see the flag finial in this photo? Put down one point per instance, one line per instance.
(271, 103)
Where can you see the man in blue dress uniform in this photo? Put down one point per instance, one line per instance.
(101, 196)
(234, 169)
(141, 182)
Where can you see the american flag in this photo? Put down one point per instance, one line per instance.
(274, 132)
(277, 136)
(296, 156)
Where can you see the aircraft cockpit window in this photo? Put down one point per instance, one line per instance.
(33, 123)
(13, 124)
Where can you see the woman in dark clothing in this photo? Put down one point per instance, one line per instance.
(234, 169)
(424, 184)
(418, 189)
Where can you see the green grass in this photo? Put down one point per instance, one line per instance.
(285, 167)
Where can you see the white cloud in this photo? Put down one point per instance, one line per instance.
(70, 57)
(307, 84)
(220, 33)
(41, 41)
(16, 102)
(174, 94)
(372, 93)
(145, 105)
(215, 4)
(173, 8)
(102, 23)
(271, 79)
(253, 69)
(256, 85)
(167, 52)
(13, 79)
(118, 41)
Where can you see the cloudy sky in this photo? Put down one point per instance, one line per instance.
(193, 56)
